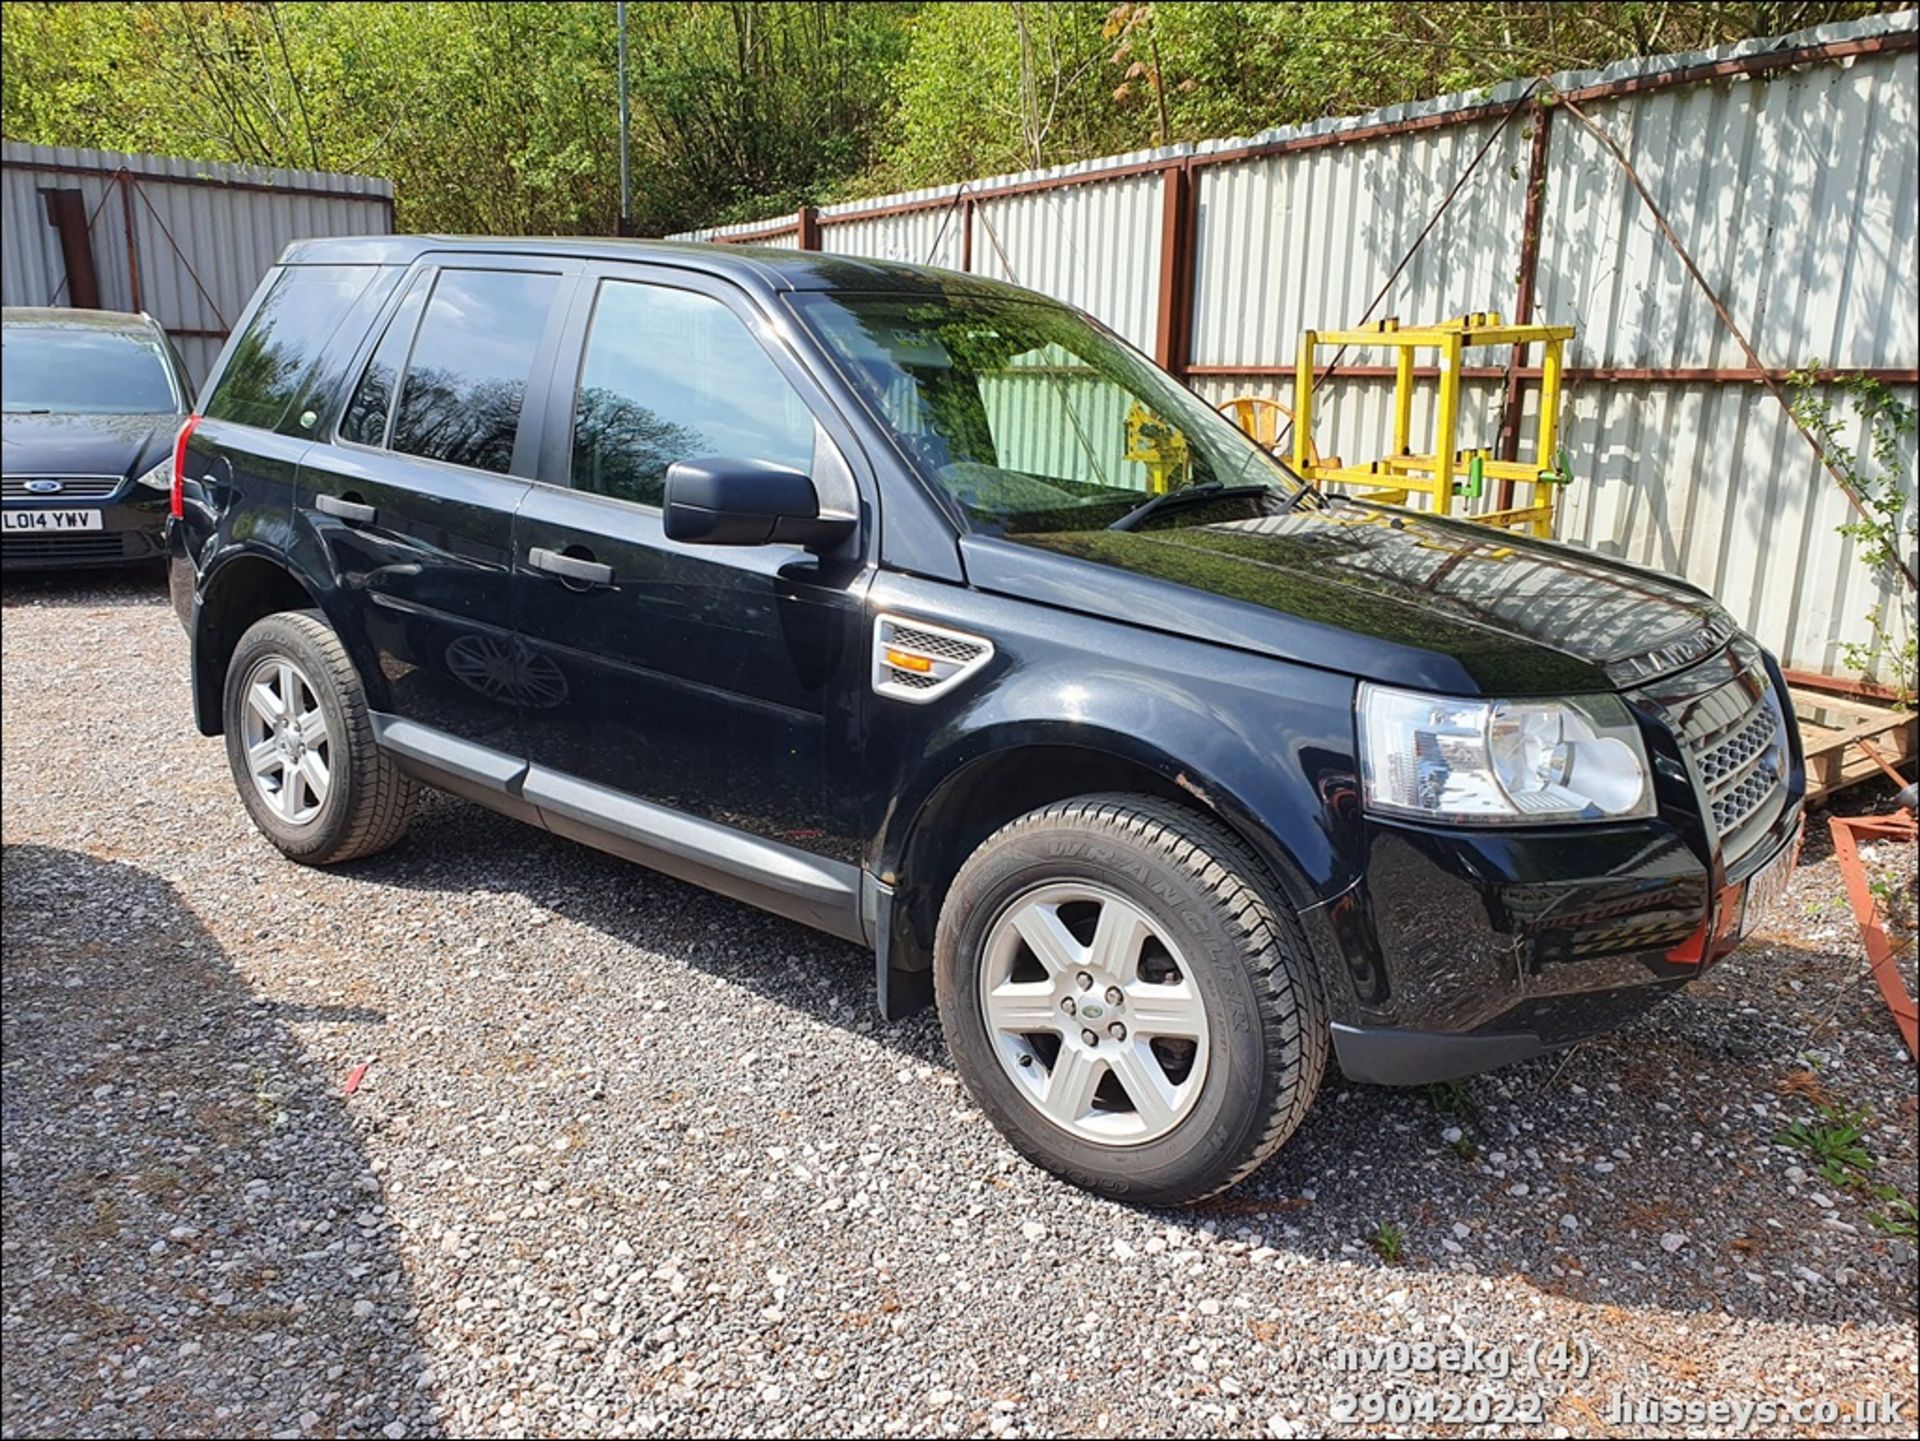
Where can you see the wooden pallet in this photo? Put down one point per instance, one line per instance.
(1837, 730)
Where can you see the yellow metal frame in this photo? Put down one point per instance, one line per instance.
(1260, 418)
(1437, 473)
(1158, 446)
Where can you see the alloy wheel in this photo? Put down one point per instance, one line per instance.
(288, 747)
(1094, 1013)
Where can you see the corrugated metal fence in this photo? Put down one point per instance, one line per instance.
(184, 240)
(1788, 167)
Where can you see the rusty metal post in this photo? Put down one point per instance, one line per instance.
(67, 213)
(806, 220)
(1173, 327)
(1882, 955)
(1530, 226)
(133, 249)
(966, 234)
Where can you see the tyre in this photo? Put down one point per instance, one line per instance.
(1126, 1002)
(300, 741)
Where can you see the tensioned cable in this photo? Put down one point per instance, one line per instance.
(1419, 240)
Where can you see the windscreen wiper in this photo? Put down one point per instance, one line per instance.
(1206, 490)
(1308, 491)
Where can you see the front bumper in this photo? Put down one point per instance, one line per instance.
(1463, 948)
(1385, 1056)
(1467, 951)
(131, 523)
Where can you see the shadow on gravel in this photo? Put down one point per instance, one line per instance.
(193, 1243)
(454, 846)
(1536, 1144)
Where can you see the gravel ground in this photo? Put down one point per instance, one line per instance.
(628, 1159)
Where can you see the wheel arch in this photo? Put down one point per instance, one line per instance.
(1003, 776)
(237, 592)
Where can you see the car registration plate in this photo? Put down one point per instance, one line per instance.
(15, 522)
(1766, 885)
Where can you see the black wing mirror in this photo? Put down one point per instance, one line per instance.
(747, 502)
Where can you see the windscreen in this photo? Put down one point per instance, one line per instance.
(68, 370)
(1032, 417)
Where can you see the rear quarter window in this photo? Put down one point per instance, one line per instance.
(271, 361)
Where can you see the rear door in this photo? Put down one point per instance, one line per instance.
(722, 682)
(409, 503)
(256, 419)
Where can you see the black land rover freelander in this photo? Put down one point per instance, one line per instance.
(831, 585)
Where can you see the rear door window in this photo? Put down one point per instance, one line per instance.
(271, 361)
(467, 377)
(365, 419)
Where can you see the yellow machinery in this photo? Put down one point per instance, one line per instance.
(1158, 446)
(1446, 471)
(1262, 418)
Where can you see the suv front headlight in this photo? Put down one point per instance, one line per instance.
(1501, 762)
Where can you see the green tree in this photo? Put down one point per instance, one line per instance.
(502, 117)
(1183, 70)
(741, 109)
(487, 116)
(990, 88)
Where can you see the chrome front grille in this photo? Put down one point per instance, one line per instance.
(1744, 764)
(1730, 720)
(1739, 799)
(71, 487)
(1723, 760)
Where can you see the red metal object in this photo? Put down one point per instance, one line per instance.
(125, 179)
(1173, 326)
(1530, 228)
(1848, 832)
(66, 213)
(354, 1078)
(1574, 374)
(1839, 685)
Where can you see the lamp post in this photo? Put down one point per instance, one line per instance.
(626, 184)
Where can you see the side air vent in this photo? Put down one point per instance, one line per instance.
(915, 661)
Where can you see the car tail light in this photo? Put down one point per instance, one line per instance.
(177, 505)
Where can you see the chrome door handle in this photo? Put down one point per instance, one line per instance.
(348, 510)
(569, 567)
